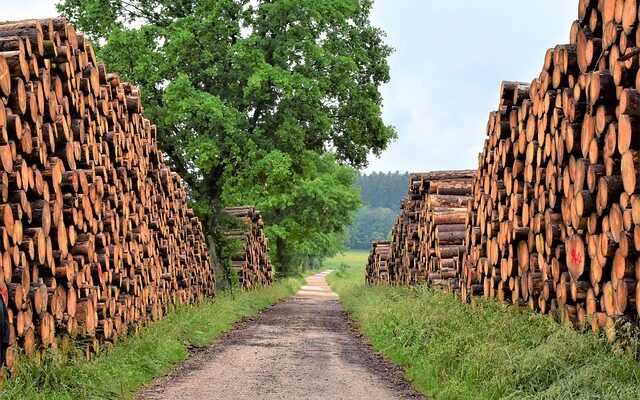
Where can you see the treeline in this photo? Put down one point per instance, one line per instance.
(383, 189)
(269, 103)
(380, 193)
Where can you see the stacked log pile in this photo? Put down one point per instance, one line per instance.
(251, 263)
(96, 238)
(442, 226)
(555, 218)
(428, 233)
(377, 271)
(405, 243)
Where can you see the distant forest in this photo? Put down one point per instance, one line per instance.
(380, 193)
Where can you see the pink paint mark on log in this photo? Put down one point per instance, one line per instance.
(575, 256)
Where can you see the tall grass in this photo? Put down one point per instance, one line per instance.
(487, 351)
(140, 358)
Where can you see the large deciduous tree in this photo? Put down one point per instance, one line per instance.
(265, 102)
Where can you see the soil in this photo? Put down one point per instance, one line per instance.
(302, 348)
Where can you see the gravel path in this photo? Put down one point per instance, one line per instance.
(302, 348)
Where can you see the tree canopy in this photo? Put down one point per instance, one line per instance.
(383, 189)
(266, 102)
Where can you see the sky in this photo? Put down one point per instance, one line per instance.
(450, 58)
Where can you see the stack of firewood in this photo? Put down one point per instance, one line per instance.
(96, 238)
(251, 263)
(555, 218)
(405, 242)
(427, 241)
(377, 271)
(441, 227)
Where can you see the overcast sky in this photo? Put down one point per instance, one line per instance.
(450, 59)
(446, 71)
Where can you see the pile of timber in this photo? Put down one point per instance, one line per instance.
(251, 263)
(428, 234)
(377, 271)
(96, 238)
(405, 243)
(442, 228)
(555, 219)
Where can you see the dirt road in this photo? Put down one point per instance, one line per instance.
(302, 348)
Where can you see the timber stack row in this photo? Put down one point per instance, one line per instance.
(441, 226)
(427, 242)
(405, 242)
(555, 218)
(377, 271)
(96, 238)
(251, 263)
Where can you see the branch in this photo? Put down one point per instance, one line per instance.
(154, 18)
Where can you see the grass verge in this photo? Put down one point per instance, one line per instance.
(452, 350)
(140, 358)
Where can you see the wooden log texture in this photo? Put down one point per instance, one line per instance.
(555, 211)
(377, 271)
(96, 237)
(429, 234)
(553, 221)
(251, 263)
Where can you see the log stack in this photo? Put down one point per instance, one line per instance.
(96, 238)
(251, 263)
(555, 219)
(442, 226)
(405, 243)
(428, 233)
(377, 271)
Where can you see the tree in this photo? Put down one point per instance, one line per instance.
(236, 84)
(383, 189)
(380, 193)
(371, 223)
(306, 211)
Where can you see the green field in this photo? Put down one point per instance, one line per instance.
(354, 258)
(452, 350)
(143, 357)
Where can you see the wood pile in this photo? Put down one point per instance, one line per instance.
(442, 228)
(555, 219)
(251, 263)
(377, 271)
(428, 233)
(96, 238)
(405, 242)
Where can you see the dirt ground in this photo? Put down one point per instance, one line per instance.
(302, 348)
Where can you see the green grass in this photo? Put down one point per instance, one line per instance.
(453, 350)
(140, 358)
(350, 258)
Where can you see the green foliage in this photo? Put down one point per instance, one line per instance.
(306, 212)
(380, 193)
(341, 272)
(369, 224)
(267, 93)
(383, 189)
(118, 373)
(488, 351)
